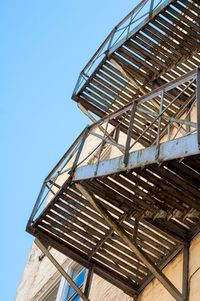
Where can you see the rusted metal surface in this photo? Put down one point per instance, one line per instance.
(133, 246)
(185, 282)
(149, 199)
(78, 164)
(153, 197)
(88, 282)
(198, 104)
(179, 148)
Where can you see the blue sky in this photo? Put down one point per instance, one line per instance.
(44, 46)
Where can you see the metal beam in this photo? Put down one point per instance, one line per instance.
(85, 135)
(133, 247)
(179, 148)
(185, 282)
(128, 140)
(136, 225)
(151, 8)
(60, 269)
(88, 281)
(162, 266)
(198, 105)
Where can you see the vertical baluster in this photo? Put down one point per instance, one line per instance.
(151, 8)
(85, 135)
(159, 124)
(169, 131)
(101, 147)
(129, 133)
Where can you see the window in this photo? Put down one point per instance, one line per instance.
(66, 292)
(78, 276)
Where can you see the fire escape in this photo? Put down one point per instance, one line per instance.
(124, 199)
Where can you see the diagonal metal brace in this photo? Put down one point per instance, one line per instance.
(40, 245)
(133, 247)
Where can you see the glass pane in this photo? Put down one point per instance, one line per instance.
(70, 293)
(78, 277)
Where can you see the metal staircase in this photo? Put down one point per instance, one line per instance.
(125, 198)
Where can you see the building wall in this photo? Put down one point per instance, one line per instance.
(103, 290)
(40, 276)
(155, 291)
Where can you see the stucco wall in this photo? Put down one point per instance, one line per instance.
(103, 290)
(155, 291)
(39, 275)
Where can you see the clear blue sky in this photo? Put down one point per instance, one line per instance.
(44, 46)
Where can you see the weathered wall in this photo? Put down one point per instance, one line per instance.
(104, 291)
(38, 276)
(155, 291)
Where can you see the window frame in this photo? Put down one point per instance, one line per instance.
(64, 286)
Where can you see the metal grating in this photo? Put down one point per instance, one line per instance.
(160, 203)
(162, 48)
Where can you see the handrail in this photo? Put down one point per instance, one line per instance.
(139, 6)
(65, 156)
(113, 38)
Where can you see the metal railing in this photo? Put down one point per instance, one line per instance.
(141, 14)
(166, 113)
